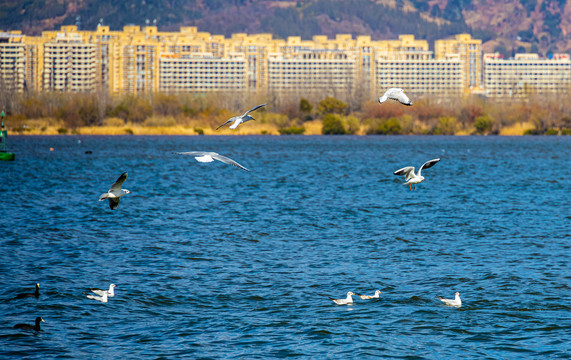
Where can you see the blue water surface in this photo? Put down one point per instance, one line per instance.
(211, 261)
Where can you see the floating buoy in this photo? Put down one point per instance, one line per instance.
(51, 149)
(5, 155)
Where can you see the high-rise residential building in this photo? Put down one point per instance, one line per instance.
(12, 62)
(310, 72)
(420, 73)
(202, 73)
(526, 74)
(470, 52)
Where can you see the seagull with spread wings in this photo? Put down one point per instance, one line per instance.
(396, 94)
(242, 118)
(115, 192)
(209, 156)
(411, 177)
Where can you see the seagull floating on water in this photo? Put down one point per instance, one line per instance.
(411, 177)
(30, 327)
(346, 301)
(208, 156)
(114, 194)
(103, 298)
(366, 297)
(242, 118)
(456, 302)
(35, 294)
(110, 292)
(396, 94)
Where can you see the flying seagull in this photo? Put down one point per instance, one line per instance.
(114, 194)
(208, 156)
(35, 294)
(456, 302)
(396, 94)
(366, 297)
(30, 327)
(110, 292)
(411, 177)
(242, 118)
(346, 301)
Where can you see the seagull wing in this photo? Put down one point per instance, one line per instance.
(114, 203)
(398, 95)
(227, 160)
(117, 185)
(403, 99)
(227, 121)
(428, 164)
(253, 109)
(406, 171)
(194, 153)
(97, 291)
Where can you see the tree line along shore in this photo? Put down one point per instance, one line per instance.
(201, 114)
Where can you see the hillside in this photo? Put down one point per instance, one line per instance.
(507, 26)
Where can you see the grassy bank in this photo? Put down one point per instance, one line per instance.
(310, 128)
(187, 114)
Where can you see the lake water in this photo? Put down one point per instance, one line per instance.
(211, 261)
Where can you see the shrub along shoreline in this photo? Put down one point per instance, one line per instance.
(191, 114)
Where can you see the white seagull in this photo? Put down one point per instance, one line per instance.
(411, 177)
(242, 118)
(114, 194)
(346, 301)
(396, 94)
(102, 298)
(208, 156)
(110, 292)
(456, 302)
(366, 297)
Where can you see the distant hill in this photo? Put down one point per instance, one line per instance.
(507, 26)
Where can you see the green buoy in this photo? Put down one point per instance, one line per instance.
(5, 155)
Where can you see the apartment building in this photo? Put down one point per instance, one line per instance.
(420, 73)
(202, 73)
(470, 52)
(12, 62)
(526, 74)
(317, 71)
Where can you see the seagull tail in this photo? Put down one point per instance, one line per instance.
(382, 99)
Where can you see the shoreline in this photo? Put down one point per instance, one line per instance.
(312, 128)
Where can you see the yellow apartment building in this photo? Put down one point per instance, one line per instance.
(312, 72)
(470, 52)
(420, 73)
(12, 62)
(202, 73)
(526, 74)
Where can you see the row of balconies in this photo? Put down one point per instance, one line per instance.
(193, 68)
(519, 64)
(179, 75)
(220, 83)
